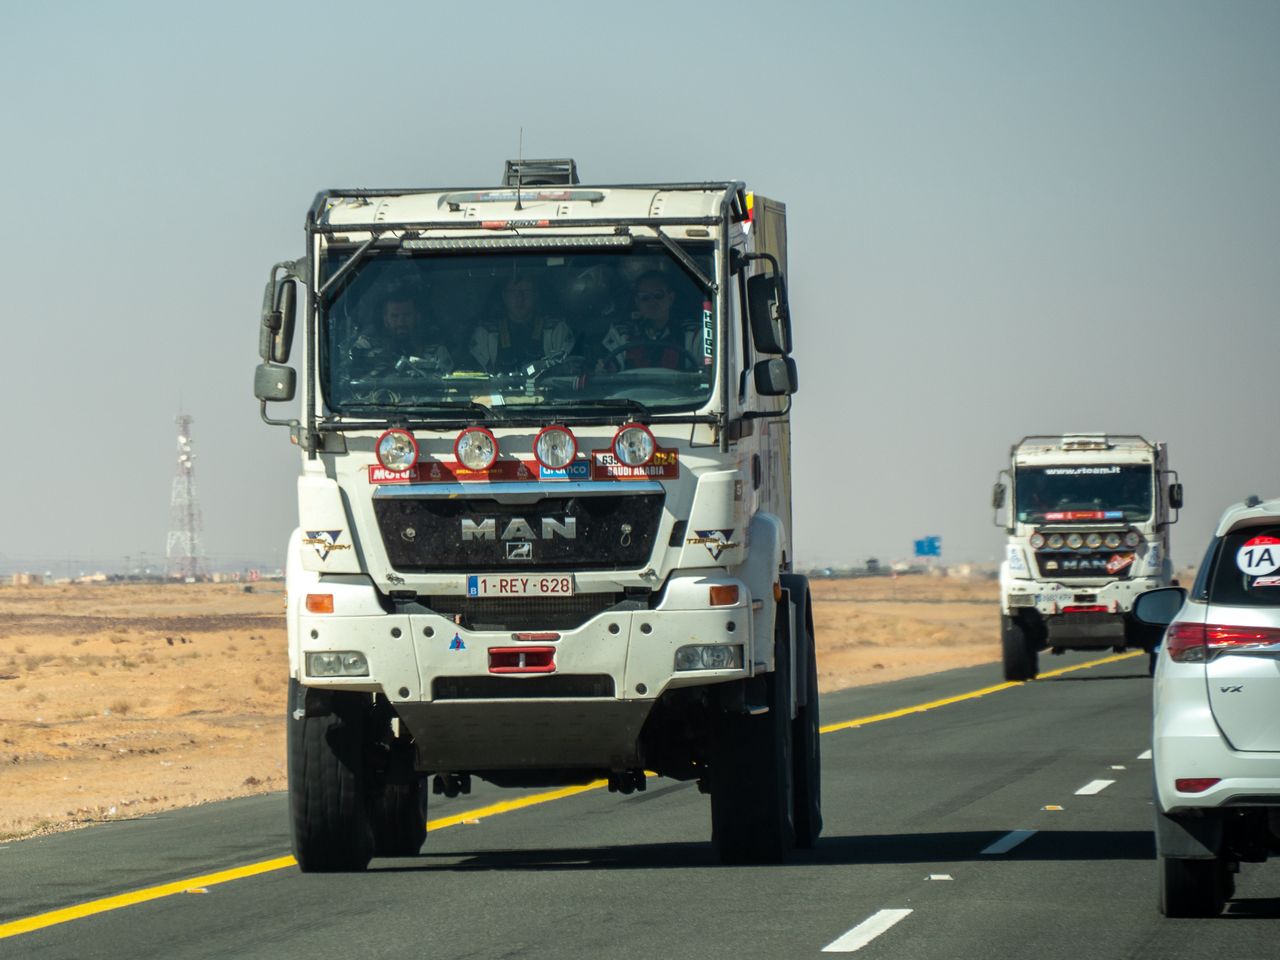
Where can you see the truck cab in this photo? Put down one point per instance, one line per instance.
(1087, 520)
(544, 510)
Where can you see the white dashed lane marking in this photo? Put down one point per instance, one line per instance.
(1008, 842)
(865, 932)
(1145, 755)
(1093, 786)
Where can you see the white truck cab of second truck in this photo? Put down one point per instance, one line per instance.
(1087, 520)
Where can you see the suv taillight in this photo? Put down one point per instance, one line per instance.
(1185, 642)
(1197, 642)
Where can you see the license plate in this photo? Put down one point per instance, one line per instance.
(496, 585)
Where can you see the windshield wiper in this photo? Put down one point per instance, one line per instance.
(412, 406)
(625, 403)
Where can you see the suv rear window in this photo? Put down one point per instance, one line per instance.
(1246, 570)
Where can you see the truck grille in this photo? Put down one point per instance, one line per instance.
(1066, 564)
(523, 613)
(511, 688)
(475, 534)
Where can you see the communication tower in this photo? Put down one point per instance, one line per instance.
(185, 552)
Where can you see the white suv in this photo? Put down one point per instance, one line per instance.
(1216, 736)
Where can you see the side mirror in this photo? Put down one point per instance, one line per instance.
(997, 496)
(770, 316)
(1157, 608)
(279, 311)
(274, 384)
(1175, 496)
(776, 377)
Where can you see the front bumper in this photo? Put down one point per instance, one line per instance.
(1051, 598)
(582, 703)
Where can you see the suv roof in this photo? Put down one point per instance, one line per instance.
(1248, 513)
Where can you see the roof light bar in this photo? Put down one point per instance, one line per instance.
(517, 243)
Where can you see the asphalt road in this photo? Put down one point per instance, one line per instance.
(1014, 824)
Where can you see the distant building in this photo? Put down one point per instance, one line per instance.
(27, 579)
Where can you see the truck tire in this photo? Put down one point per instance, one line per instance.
(328, 802)
(1192, 888)
(400, 818)
(806, 750)
(1021, 659)
(752, 790)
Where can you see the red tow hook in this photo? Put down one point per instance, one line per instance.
(522, 659)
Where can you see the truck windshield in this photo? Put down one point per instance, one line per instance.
(1083, 492)
(570, 331)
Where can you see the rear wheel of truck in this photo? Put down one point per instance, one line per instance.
(752, 790)
(328, 789)
(400, 818)
(1021, 660)
(1193, 888)
(806, 751)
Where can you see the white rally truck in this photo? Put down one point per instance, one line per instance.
(1088, 531)
(544, 511)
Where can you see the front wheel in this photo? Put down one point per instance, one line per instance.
(328, 780)
(807, 754)
(1193, 888)
(752, 791)
(1021, 659)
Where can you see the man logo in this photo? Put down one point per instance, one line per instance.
(518, 528)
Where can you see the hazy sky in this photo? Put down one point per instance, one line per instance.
(1005, 218)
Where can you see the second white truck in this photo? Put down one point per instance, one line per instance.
(1088, 531)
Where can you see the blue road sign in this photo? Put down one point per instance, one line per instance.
(929, 547)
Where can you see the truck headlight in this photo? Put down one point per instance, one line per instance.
(709, 656)
(555, 447)
(397, 450)
(339, 663)
(476, 448)
(1037, 541)
(1132, 538)
(634, 445)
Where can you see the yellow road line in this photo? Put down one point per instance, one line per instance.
(506, 806)
(89, 908)
(38, 922)
(971, 695)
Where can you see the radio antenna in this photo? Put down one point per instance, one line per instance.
(519, 166)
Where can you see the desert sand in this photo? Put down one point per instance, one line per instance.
(118, 700)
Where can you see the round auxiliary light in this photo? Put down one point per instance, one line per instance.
(634, 445)
(1093, 541)
(1075, 541)
(555, 447)
(1037, 541)
(1112, 540)
(476, 448)
(1132, 538)
(397, 450)
(1055, 541)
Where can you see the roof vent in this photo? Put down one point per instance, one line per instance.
(540, 173)
(1085, 441)
(1252, 500)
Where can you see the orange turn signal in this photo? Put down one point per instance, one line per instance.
(319, 603)
(724, 595)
